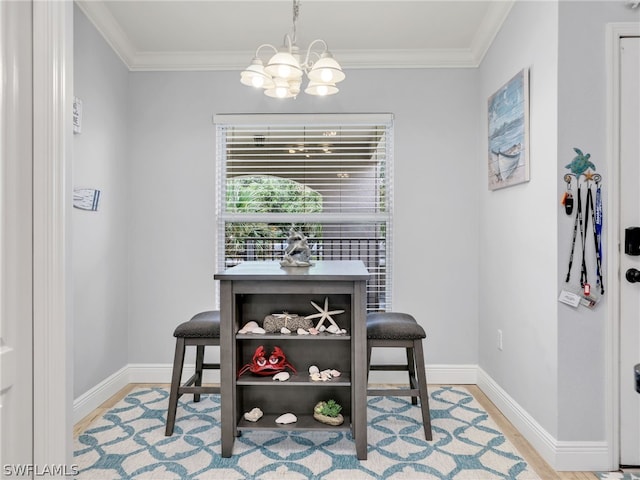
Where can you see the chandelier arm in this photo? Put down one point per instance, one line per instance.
(309, 51)
(265, 45)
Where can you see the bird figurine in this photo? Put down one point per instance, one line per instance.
(580, 163)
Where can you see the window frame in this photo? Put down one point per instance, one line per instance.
(224, 122)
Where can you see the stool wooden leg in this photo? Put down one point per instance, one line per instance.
(368, 360)
(422, 386)
(411, 368)
(199, 362)
(178, 362)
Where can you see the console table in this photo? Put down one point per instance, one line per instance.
(253, 290)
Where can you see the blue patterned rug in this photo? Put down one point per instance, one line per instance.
(618, 476)
(128, 442)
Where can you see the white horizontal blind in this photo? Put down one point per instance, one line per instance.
(329, 178)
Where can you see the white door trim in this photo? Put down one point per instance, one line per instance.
(52, 195)
(614, 32)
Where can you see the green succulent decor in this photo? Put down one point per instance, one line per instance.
(328, 412)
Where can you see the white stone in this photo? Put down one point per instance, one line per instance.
(248, 327)
(253, 415)
(282, 376)
(286, 418)
(285, 330)
(302, 331)
(332, 329)
(313, 369)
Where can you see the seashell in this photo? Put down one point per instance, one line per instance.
(285, 330)
(316, 377)
(332, 329)
(259, 330)
(322, 328)
(313, 331)
(282, 376)
(335, 373)
(343, 331)
(324, 376)
(253, 415)
(248, 327)
(313, 369)
(302, 331)
(286, 418)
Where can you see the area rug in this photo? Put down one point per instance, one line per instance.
(618, 476)
(128, 442)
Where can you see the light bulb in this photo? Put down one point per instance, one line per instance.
(326, 75)
(281, 92)
(322, 90)
(257, 81)
(284, 71)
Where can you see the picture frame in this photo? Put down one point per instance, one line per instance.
(508, 133)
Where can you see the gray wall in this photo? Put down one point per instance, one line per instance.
(172, 234)
(100, 160)
(518, 262)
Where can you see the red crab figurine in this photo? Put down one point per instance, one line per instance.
(261, 365)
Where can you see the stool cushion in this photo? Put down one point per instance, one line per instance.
(204, 324)
(393, 326)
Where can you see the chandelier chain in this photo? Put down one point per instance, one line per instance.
(296, 12)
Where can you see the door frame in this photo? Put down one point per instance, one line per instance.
(614, 33)
(52, 197)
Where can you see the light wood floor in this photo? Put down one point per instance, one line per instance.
(541, 467)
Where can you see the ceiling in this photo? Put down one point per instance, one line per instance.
(223, 34)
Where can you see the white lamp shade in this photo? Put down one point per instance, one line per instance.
(326, 70)
(284, 65)
(282, 89)
(321, 89)
(255, 76)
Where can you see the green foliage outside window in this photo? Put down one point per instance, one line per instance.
(266, 194)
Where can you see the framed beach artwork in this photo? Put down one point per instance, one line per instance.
(508, 122)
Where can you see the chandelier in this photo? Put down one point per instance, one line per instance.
(282, 76)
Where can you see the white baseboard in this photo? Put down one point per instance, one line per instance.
(96, 396)
(561, 455)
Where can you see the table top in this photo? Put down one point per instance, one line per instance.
(335, 270)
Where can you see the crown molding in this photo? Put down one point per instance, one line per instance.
(489, 28)
(109, 28)
(351, 59)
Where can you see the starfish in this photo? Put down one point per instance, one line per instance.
(324, 314)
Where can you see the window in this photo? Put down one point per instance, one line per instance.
(329, 176)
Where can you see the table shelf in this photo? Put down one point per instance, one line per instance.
(299, 379)
(305, 422)
(253, 290)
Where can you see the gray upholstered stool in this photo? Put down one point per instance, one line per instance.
(400, 330)
(202, 330)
